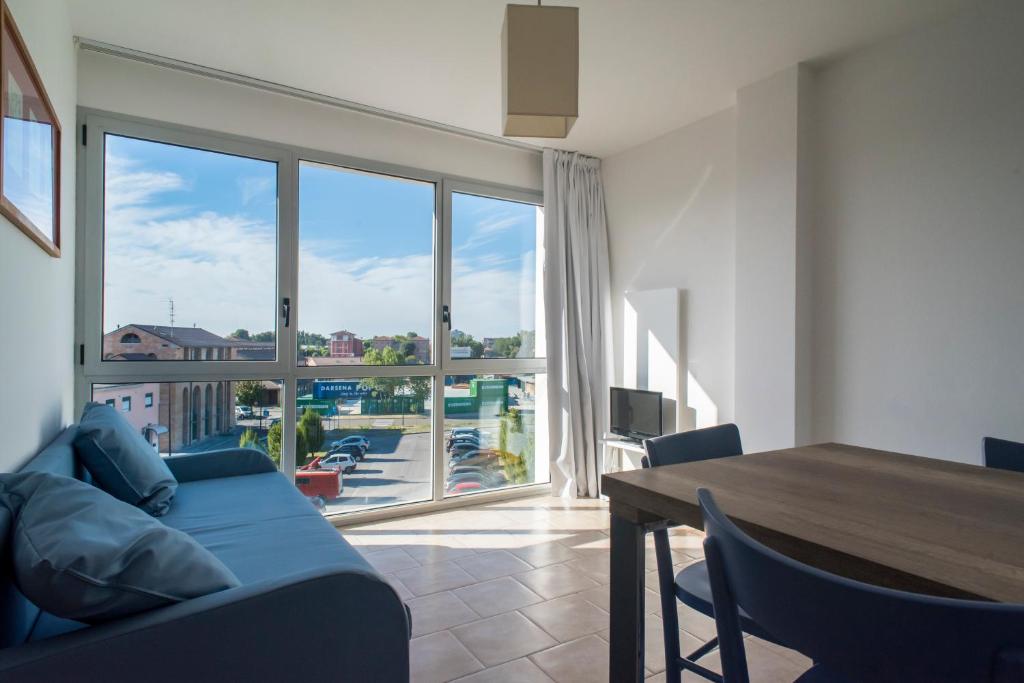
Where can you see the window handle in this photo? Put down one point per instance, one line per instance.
(286, 310)
(446, 316)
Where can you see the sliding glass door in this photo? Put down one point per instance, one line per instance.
(378, 331)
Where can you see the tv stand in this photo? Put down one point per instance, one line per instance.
(621, 453)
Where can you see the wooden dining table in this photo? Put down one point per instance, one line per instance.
(906, 522)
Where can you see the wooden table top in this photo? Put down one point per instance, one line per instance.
(907, 522)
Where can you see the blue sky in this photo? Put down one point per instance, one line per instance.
(201, 227)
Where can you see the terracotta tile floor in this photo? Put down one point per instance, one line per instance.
(518, 591)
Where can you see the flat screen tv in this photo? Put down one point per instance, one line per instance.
(636, 414)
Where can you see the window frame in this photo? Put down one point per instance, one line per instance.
(96, 124)
(466, 366)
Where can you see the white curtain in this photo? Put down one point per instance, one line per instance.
(578, 315)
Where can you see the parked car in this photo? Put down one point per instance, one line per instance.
(458, 431)
(465, 487)
(482, 481)
(492, 478)
(476, 441)
(475, 457)
(479, 469)
(351, 449)
(354, 440)
(244, 412)
(319, 486)
(332, 461)
(463, 447)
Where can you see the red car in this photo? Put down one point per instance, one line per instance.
(464, 486)
(319, 486)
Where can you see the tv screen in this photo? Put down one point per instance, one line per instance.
(636, 413)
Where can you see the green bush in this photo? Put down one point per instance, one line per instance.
(250, 439)
(309, 436)
(274, 443)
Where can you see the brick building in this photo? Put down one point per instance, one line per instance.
(190, 411)
(345, 344)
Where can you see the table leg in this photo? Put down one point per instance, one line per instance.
(626, 659)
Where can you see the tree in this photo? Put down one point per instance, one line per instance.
(262, 337)
(420, 387)
(309, 435)
(385, 387)
(241, 333)
(312, 339)
(248, 392)
(274, 443)
(409, 350)
(508, 347)
(476, 349)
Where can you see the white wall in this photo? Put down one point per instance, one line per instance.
(919, 288)
(770, 233)
(37, 302)
(671, 223)
(123, 86)
(879, 242)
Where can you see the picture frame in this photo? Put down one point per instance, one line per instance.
(30, 136)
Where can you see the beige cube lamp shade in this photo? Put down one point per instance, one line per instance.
(540, 60)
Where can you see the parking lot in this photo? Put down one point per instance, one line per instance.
(396, 470)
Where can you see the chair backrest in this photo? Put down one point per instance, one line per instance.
(855, 630)
(698, 444)
(1003, 454)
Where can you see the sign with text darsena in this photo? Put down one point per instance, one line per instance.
(338, 389)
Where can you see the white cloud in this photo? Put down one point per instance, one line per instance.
(221, 271)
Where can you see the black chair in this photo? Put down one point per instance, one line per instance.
(1003, 454)
(690, 586)
(852, 631)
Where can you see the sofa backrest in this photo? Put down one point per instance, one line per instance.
(18, 616)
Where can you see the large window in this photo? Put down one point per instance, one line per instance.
(491, 431)
(189, 253)
(496, 269)
(366, 268)
(360, 297)
(376, 431)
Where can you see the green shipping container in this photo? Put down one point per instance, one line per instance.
(307, 402)
(461, 404)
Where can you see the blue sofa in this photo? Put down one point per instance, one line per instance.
(310, 608)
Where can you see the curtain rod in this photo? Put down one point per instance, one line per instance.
(298, 93)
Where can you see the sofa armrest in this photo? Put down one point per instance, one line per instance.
(229, 462)
(326, 624)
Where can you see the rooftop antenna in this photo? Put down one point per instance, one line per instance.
(170, 301)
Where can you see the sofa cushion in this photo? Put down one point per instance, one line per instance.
(260, 526)
(121, 461)
(81, 554)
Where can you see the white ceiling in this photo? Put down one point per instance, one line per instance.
(647, 66)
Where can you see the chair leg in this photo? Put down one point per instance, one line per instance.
(669, 618)
(674, 663)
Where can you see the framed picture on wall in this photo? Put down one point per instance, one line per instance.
(29, 143)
